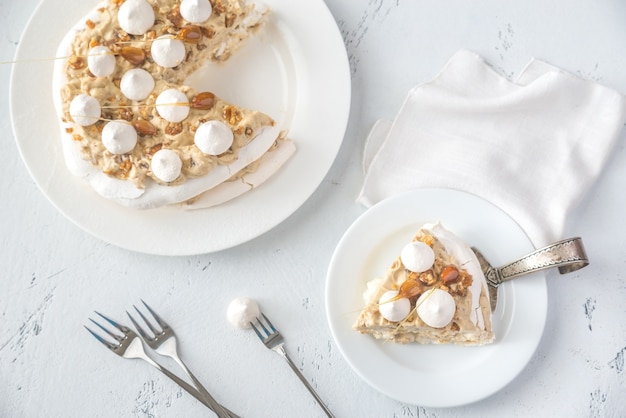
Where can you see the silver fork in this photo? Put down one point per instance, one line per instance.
(129, 345)
(164, 342)
(273, 340)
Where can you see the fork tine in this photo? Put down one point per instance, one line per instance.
(158, 319)
(112, 334)
(122, 328)
(148, 323)
(258, 333)
(268, 323)
(137, 327)
(108, 344)
(267, 331)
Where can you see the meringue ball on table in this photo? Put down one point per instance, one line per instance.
(241, 311)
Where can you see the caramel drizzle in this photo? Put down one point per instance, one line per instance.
(191, 34)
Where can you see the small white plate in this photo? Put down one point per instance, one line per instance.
(295, 69)
(435, 375)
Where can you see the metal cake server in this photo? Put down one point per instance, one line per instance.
(568, 255)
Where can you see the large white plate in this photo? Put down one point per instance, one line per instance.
(435, 375)
(296, 70)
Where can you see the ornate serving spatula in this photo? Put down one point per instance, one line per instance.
(568, 255)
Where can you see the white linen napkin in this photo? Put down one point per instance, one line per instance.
(531, 147)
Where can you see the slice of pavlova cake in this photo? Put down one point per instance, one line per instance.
(433, 293)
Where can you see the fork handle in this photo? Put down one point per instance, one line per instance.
(191, 390)
(223, 411)
(281, 350)
(568, 255)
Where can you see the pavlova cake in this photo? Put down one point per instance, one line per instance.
(133, 129)
(433, 293)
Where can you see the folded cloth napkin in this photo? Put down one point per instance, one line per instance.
(531, 147)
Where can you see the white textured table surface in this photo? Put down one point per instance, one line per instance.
(55, 275)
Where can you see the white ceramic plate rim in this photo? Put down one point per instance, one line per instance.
(316, 51)
(435, 376)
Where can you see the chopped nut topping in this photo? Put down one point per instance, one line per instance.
(208, 32)
(77, 63)
(229, 19)
(125, 167)
(152, 150)
(203, 101)
(191, 34)
(175, 17)
(125, 114)
(232, 115)
(134, 55)
(174, 128)
(143, 127)
(427, 277)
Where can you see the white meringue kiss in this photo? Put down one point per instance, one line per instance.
(101, 61)
(166, 165)
(137, 84)
(195, 11)
(85, 110)
(396, 310)
(213, 137)
(172, 105)
(119, 137)
(417, 256)
(136, 16)
(168, 51)
(436, 308)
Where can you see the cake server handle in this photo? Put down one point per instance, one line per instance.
(567, 255)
